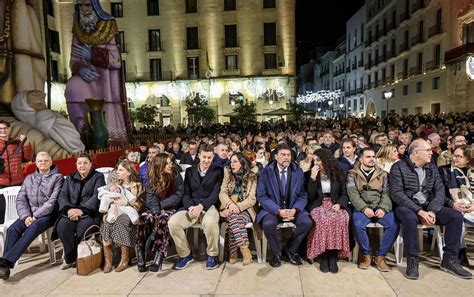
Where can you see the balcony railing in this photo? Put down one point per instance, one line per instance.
(417, 70)
(403, 47)
(416, 39)
(359, 90)
(149, 76)
(402, 75)
(435, 30)
(154, 46)
(389, 79)
(432, 65)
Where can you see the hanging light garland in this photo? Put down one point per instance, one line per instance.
(318, 96)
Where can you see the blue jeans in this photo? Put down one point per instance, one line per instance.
(19, 237)
(390, 226)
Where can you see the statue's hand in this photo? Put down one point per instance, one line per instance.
(88, 74)
(82, 51)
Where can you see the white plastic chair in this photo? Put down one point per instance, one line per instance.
(10, 194)
(265, 242)
(105, 171)
(258, 243)
(437, 237)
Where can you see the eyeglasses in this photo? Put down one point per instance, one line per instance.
(458, 156)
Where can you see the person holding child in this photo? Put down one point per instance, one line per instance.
(119, 226)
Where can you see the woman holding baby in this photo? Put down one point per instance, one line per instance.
(119, 226)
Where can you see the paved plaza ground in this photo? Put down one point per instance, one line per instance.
(36, 277)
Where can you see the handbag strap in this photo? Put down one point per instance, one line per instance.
(88, 229)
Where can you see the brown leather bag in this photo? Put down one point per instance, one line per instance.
(89, 253)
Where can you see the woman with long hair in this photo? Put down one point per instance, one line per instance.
(327, 204)
(458, 180)
(238, 198)
(387, 156)
(122, 232)
(164, 192)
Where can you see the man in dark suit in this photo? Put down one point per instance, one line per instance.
(282, 198)
(191, 157)
(202, 184)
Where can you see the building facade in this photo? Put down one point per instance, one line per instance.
(173, 50)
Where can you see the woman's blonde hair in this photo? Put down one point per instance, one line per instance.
(385, 151)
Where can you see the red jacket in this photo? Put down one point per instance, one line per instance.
(13, 174)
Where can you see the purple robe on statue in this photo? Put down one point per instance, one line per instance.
(106, 61)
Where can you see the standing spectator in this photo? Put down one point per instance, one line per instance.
(143, 152)
(238, 199)
(164, 192)
(349, 157)
(282, 198)
(143, 171)
(201, 193)
(328, 143)
(35, 206)
(78, 206)
(191, 157)
(327, 204)
(367, 188)
(416, 187)
(446, 157)
(122, 232)
(14, 152)
(221, 158)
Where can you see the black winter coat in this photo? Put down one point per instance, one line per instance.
(203, 190)
(403, 183)
(155, 204)
(82, 194)
(315, 193)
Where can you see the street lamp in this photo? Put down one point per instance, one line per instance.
(388, 95)
(330, 106)
(341, 106)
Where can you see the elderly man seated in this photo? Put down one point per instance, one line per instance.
(35, 206)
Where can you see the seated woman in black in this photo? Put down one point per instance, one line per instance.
(78, 206)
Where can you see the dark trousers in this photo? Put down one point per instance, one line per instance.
(70, 233)
(448, 217)
(19, 237)
(269, 225)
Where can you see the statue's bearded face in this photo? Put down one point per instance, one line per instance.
(87, 17)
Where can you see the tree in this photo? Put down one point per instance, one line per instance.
(246, 112)
(297, 110)
(146, 114)
(199, 111)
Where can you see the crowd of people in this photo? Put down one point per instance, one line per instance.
(329, 178)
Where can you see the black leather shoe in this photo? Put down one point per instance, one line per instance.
(275, 262)
(462, 256)
(157, 262)
(293, 258)
(412, 268)
(324, 263)
(451, 265)
(141, 261)
(4, 272)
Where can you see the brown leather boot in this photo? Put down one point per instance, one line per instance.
(123, 259)
(382, 264)
(365, 262)
(246, 255)
(233, 258)
(108, 255)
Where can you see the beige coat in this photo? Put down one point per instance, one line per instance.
(249, 189)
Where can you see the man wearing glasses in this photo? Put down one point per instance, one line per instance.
(368, 192)
(416, 187)
(446, 157)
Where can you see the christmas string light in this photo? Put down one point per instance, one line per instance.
(318, 96)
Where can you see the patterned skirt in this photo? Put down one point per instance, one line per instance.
(237, 232)
(121, 232)
(153, 228)
(330, 231)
